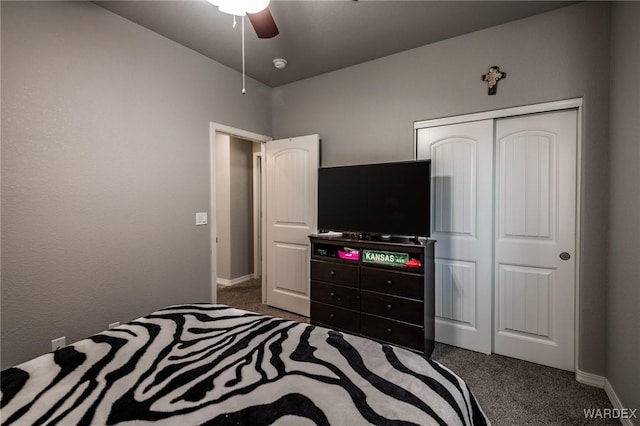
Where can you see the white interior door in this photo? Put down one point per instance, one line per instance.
(461, 213)
(535, 238)
(291, 216)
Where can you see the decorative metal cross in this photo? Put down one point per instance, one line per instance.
(492, 78)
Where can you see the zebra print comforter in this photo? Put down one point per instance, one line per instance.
(212, 364)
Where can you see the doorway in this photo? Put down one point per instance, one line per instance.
(289, 169)
(257, 142)
(238, 209)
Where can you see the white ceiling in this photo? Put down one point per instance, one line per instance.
(321, 36)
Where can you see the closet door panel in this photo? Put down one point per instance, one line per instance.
(461, 211)
(535, 238)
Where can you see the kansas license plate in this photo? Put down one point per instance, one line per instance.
(385, 257)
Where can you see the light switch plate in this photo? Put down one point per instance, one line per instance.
(201, 218)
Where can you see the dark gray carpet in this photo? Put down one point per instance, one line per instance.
(248, 296)
(511, 392)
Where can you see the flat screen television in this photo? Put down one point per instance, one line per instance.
(384, 199)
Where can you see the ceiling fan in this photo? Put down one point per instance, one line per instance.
(256, 10)
(259, 16)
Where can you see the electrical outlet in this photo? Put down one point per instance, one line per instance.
(58, 343)
(114, 324)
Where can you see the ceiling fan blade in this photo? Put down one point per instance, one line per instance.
(263, 24)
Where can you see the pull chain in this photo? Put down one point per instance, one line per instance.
(244, 91)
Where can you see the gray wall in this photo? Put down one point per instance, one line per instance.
(223, 208)
(365, 113)
(105, 161)
(623, 297)
(241, 169)
(234, 172)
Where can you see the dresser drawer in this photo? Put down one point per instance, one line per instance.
(347, 297)
(399, 308)
(392, 282)
(334, 317)
(394, 332)
(335, 273)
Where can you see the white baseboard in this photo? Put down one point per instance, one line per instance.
(615, 401)
(590, 379)
(602, 383)
(234, 281)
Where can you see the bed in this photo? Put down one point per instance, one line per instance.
(213, 364)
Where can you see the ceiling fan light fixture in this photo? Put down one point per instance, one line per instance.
(255, 6)
(240, 7)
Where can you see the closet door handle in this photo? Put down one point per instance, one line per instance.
(565, 256)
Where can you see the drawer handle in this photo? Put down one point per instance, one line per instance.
(388, 330)
(389, 283)
(389, 307)
(332, 316)
(332, 294)
(332, 273)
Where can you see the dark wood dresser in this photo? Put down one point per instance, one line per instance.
(368, 288)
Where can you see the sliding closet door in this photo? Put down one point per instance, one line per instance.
(461, 204)
(535, 238)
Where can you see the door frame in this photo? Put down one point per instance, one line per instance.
(215, 128)
(575, 103)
